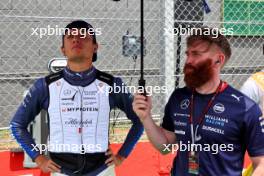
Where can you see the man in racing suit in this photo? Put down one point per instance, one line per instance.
(78, 101)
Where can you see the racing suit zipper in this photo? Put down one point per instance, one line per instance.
(80, 130)
(81, 157)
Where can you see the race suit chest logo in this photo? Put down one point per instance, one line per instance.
(76, 109)
(90, 93)
(74, 122)
(71, 95)
(67, 92)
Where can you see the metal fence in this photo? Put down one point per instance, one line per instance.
(24, 55)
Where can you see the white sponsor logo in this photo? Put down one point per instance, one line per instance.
(219, 108)
(215, 118)
(216, 130)
(236, 97)
(179, 123)
(180, 132)
(185, 104)
(182, 115)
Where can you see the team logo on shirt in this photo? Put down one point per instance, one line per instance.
(92, 93)
(185, 104)
(179, 123)
(67, 92)
(261, 120)
(179, 132)
(219, 108)
(75, 122)
(74, 109)
(236, 97)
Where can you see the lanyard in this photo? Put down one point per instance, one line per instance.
(205, 110)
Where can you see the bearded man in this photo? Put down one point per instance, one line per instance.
(208, 122)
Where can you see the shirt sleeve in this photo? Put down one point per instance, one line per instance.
(250, 88)
(254, 133)
(123, 101)
(167, 122)
(25, 114)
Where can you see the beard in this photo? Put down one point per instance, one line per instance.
(196, 76)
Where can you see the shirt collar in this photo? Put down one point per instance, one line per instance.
(78, 76)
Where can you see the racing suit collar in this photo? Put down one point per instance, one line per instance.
(79, 75)
(80, 78)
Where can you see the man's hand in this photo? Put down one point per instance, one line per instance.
(258, 164)
(142, 106)
(113, 159)
(47, 165)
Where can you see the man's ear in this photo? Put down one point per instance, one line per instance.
(222, 59)
(95, 48)
(63, 50)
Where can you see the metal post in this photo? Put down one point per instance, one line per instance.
(169, 64)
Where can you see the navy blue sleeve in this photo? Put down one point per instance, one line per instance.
(26, 113)
(167, 122)
(123, 101)
(254, 134)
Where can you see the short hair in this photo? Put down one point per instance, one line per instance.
(212, 36)
(80, 24)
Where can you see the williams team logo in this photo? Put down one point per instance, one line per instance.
(219, 108)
